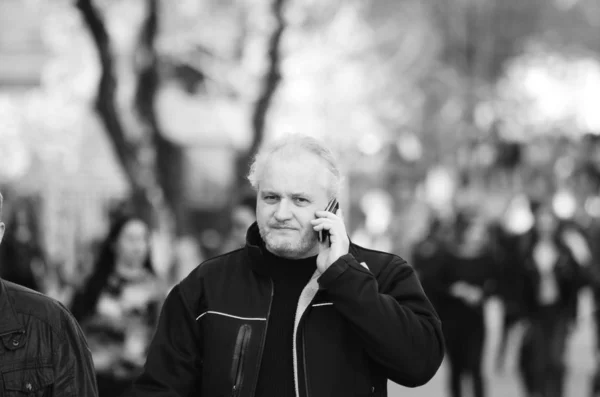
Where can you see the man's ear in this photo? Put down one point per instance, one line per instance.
(2, 227)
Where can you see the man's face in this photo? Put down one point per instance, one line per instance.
(292, 187)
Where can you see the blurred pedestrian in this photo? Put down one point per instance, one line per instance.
(552, 279)
(428, 258)
(469, 276)
(510, 237)
(43, 350)
(118, 305)
(290, 314)
(593, 234)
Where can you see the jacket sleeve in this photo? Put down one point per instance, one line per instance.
(173, 365)
(394, 318)
(74, 367)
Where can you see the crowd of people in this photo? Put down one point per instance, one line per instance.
(537, 274)
(463, 259)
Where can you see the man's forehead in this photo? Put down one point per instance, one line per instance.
(267, 189)
(295, 173)
(294, 187)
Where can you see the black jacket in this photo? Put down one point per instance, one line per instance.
(42, 349)
(357, 325)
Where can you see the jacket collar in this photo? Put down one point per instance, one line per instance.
(255, 250)
(8, 317)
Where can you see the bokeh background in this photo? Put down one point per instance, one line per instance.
(158, 105)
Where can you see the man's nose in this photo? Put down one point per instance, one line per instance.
(283, 210)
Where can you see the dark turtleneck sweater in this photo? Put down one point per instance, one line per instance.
(276, 375)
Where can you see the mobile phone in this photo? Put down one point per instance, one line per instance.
(332, 207)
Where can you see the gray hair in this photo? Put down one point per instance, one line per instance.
(301, 142)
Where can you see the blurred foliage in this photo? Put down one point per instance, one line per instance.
(397, 87)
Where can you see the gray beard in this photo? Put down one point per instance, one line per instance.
(287, 250)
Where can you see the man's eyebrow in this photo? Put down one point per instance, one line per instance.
(269, 192)
(300, 194)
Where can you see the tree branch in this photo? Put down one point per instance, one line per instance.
(270, 83)
(166, 164)
(137, 158)
(106, 95)
(146, 58)
(272, 77)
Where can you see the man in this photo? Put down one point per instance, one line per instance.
(42, 350)
(288, 315)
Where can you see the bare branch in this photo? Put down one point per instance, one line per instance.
(106, 95)
(137, 158)
(165, 164)
(272, 77)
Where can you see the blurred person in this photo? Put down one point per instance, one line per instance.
(118, 305)
(510, 236)
(428, 258)
(43, 350)
(22, 259)
(468, 277)
(593, 236)
(242, 216)
(289, 315)
(552, 279)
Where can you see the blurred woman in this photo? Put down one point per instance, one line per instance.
(118, 305)
(468, 278)
(552, 279)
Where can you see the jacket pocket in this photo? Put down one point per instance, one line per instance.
(31, 382)
(237, 366)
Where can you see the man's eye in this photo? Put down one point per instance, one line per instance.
(270, 198)
(301, 200)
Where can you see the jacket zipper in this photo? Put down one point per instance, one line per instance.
(301, 329)
(264, 338)
(304, 364)
(237, 368)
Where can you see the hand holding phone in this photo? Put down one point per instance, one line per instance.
(332, 207)
(332, 235)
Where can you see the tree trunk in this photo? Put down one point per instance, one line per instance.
(168, 156)
(137, 158)
(271, 81)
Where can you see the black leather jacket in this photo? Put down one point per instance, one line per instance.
(42, 349)
(363, 321)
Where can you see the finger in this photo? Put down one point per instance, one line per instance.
(323, 226)
(326, 214)
(321, 221)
